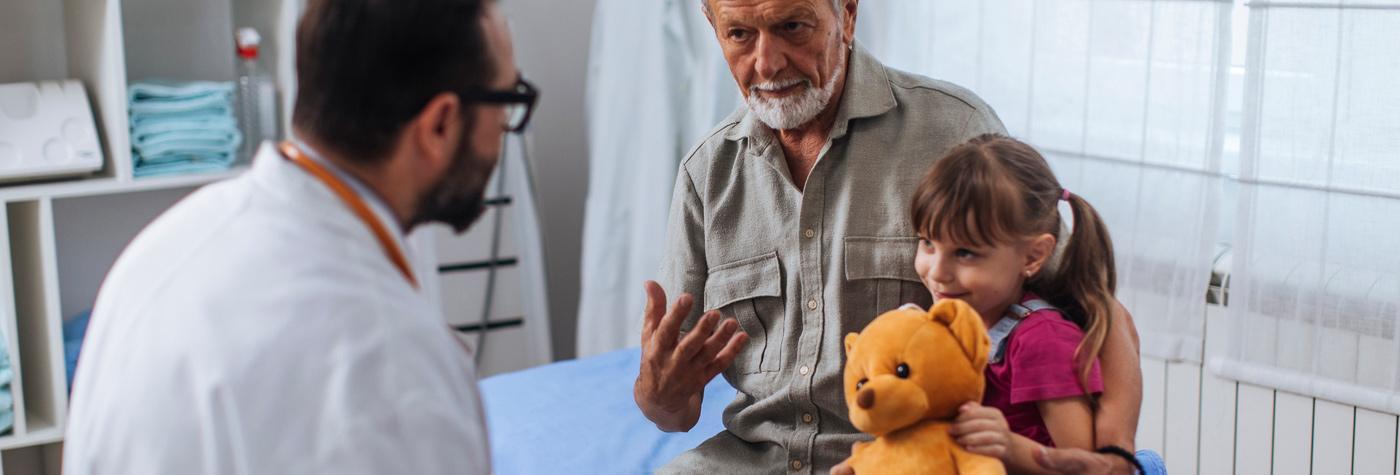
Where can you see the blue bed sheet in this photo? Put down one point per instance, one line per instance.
(579, 417)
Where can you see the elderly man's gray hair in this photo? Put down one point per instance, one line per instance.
(835, 5)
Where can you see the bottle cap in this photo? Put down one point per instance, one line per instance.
(247, 40)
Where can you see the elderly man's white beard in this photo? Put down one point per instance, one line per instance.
(791, 112)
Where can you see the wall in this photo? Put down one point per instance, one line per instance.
(551, 47)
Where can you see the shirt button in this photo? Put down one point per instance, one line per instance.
(796, 464)
(807, 417)
(804, 370)
(812, 304)
(809, 233)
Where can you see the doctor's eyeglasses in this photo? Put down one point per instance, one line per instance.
(519, 103)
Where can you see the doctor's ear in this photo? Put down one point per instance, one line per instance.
(438, 129)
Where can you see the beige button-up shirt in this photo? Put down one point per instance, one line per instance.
(800, 269)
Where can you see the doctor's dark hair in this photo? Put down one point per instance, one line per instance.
(995, 190)
(365, 68)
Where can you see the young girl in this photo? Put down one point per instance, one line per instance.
(988, 218)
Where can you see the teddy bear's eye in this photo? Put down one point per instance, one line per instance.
(861, 383)
(902, 371)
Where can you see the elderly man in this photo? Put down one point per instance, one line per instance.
(791, 219)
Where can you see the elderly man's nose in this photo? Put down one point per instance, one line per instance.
(771, 59)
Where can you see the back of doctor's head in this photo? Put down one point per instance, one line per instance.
(365, 68)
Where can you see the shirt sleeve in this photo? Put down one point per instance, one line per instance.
(683, 266)
(1041, 356)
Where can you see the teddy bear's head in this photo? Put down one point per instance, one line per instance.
(909, 365)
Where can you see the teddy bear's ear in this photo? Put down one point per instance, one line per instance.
(851, 342)
(967, 328)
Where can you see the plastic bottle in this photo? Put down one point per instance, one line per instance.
(257, 96)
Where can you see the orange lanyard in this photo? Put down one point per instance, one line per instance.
(357, 205)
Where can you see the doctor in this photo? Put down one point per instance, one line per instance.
(272, 323)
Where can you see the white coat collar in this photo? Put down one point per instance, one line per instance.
(279, 175)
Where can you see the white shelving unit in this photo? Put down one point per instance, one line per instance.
(60, 237)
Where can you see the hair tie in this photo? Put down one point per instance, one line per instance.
(1064, 194)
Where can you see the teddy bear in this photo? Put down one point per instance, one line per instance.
(906, 375)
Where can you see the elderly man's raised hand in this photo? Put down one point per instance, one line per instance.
(676, 368)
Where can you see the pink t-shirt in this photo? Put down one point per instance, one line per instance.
(1038, 365)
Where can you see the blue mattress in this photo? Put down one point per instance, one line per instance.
(578, 416)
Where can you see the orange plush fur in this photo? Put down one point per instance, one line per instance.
(909, 411)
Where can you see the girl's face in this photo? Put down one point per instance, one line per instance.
(989, 278)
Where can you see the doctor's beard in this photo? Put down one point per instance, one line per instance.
(459, 199)
(791, 112)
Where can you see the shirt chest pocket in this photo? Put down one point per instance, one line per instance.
(751, 291)
(884, 268)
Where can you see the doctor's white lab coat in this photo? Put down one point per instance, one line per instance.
(258, 327)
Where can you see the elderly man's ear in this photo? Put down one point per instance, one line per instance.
(848, 19)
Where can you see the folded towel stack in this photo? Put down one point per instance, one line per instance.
(182, 127)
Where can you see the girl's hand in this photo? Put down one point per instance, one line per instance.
(982, 430)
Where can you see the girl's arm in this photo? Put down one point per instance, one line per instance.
(1115, 422)
(1071, 422)
(983, 430)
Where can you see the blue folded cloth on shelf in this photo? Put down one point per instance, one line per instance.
(7, 400)
(74, 330)
(218, 117)
(182, 127)
(175, 144)
(183, 167)
(165, 123)
(165, 97)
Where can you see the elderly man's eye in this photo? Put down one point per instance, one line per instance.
(792, 26)
(738, 35)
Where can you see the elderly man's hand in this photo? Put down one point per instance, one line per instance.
(675, 370)
(1081, 461)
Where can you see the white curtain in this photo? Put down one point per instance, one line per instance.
(1125, 98)
(656, 83)
(1316, 285)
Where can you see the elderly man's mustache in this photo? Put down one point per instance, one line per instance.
(771, 86)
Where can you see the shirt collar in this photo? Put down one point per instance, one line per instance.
(867, 94)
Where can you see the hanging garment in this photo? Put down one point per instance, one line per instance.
(657, 83)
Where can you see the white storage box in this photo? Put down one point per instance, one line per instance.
(46, 130)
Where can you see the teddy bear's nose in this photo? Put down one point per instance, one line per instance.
(866, 399)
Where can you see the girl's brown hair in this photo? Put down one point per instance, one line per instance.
(997, 190)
